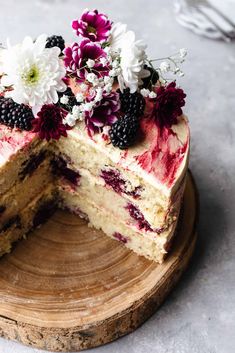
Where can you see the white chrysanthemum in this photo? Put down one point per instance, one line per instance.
(117, 36)
(35, 72)
(132, 61)
(132, 56)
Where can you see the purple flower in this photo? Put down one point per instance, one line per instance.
(77, 55)
(103, 113)
(92, 25)
(168, 104)
(49, 122)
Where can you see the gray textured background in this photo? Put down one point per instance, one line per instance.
(199, 316)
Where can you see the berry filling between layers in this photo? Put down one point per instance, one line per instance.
(142, 223)
(120, 237)
(44, 212)
(2, 209)
(32, 164)
(61, 169)
(114, 179)
(12, 221)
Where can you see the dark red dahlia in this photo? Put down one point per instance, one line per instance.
(49, 123)
(77, 55)
(104, 113)
(92, 25)
(168, 104)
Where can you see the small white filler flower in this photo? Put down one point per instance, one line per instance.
(34, 72)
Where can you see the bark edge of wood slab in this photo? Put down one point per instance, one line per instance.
(68, 287)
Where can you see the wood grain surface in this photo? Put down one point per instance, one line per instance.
(68, 287)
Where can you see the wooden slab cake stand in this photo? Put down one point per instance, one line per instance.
(68, 287)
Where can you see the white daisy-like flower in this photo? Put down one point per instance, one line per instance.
(76, 111)
(103, 61)
(183, 52)
(99, 94)
(88, 106)
(90, 63)
(69, 120)
(83, 87)
(108, 88)
(79, 97)
(64, 99)
(152, 94)
(34, 72)
(145, 92)
(165, 66)
(108, 79)
(117, 37)
(92, 78)
(132, 56)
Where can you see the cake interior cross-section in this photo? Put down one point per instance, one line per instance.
(135, 202)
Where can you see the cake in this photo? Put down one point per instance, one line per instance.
(96, 129)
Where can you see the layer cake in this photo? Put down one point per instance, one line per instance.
(102, 134)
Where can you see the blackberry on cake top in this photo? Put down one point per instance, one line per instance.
(124, 131)
(55, 41)
(132, 103)
(17, 115)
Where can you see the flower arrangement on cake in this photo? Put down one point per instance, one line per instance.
(105, 78)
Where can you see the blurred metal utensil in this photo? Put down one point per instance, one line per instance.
(204, 18)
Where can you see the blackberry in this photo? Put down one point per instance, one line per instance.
(151, 79)
(72, 99)
(123, 132)
(17, 115)
(132, 103)
(55, 41)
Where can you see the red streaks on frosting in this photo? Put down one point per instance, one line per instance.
(12, 140)
(164, 153)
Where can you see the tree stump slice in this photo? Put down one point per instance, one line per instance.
(68, 287)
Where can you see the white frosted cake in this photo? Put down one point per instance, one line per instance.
(96, 129)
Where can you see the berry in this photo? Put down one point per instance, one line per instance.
(124, 131)
(132, 103)
(151, 79)
(55, 41)
(15, 115)
(72, 99)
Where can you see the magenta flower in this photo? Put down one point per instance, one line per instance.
(77, 55)
(104, 113)
(92, 25)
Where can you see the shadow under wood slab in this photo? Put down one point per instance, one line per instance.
(69, 287)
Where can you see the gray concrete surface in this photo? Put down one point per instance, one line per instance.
(199, 316)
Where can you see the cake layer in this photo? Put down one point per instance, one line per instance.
(157, 208)
(159, 159)
(35, 213)
(90, 190)
(20, 154)
(20, 194)
(152, 248)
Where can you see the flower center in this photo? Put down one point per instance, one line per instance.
(91, 29)
(31, 76)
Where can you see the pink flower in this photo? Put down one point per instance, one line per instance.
(77, 55)
(92, 25)
(103, 113)
(49, 123)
